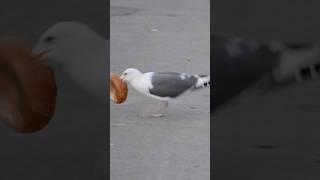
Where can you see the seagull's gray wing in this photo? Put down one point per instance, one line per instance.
(171, 84)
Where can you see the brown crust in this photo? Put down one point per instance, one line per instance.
(118, 89)
(27, 87)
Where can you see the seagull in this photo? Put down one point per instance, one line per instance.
(82, 52)
(163, 86)
(244, 65)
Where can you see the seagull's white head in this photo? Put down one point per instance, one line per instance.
(130, 74)
(65, 40)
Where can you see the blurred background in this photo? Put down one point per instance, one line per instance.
(275, 136)
(267, 20)
(75, 143)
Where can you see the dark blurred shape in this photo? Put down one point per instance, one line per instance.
(28, 88)
(232, 74)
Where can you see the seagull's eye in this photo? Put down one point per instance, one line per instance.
(125, 74)
(48, 39)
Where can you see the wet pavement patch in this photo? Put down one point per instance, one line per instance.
(172, 15)
(123, 11)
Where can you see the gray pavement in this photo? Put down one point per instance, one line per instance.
(166, 35)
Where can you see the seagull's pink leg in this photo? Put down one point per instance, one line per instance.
(155, 111)
(160, 110)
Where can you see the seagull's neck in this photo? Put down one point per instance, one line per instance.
(141, 83)
(137, 78)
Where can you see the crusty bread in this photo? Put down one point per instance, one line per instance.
(27, 87)
(118, 89)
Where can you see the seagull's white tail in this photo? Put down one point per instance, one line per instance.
(203, 81)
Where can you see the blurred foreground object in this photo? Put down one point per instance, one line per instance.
(81, 51)
(27, 87)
